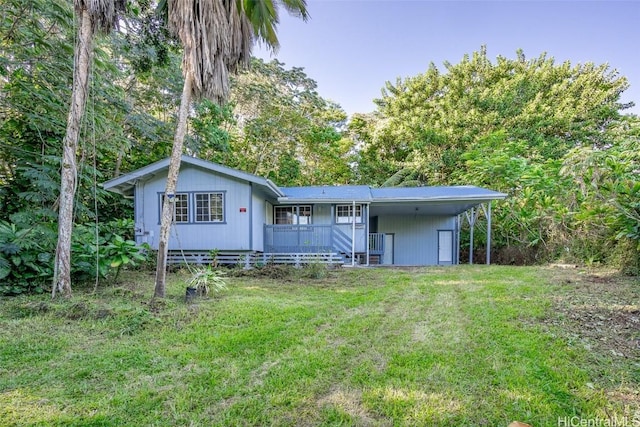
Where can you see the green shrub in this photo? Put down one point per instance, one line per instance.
(27, 252)
(314, 270)
(26, 261)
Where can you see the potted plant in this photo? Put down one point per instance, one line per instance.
(203, 279)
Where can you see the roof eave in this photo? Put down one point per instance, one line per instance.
(499, 196)
(312, 200)
(125, 182)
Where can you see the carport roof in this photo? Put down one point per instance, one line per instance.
(450, 200)
(461, 192)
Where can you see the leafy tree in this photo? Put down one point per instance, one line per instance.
(530, 128)
(127, 122)
(91, 16)
(432, 118)
(286, 130)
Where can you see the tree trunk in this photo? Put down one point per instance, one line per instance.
(69, 170)
(172, 180)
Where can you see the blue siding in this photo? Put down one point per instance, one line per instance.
(318, 235)
(416, 237)
(259, 214)
(233, 234)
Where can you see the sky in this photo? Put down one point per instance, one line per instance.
(352, 47)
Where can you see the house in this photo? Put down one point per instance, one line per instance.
(243, 216)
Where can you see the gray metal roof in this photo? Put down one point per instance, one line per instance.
(462, 192)
(383, 201)
(335, 193)
(124, 184)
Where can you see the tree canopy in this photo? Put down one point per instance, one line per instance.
(531, 128)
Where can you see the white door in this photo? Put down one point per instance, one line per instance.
(387, 257)
(445, 246)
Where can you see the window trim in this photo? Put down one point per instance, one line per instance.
(295, 214)
(177, 194)
(191, 204)
(209, 193)
(358, 219)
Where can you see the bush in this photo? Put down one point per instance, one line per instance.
(27, 253)
(26, 261)
(625, 256)
(314, 270)
(204, 279)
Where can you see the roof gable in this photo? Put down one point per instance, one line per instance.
(124, 184)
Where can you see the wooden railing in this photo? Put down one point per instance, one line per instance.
(250, 259)
(376, 243)
(298, 238)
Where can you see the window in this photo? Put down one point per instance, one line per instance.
(292, 214)
(180, 207)
(344, 214)
(209, 207)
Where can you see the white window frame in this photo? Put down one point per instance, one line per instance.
(344, 214)
(181, 208)
(209, 206)
(295, 215)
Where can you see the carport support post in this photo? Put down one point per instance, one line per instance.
(353, 234)
(488, 214)
(472, 223)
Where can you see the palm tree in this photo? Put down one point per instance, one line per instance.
(91, 16)
(217, 36)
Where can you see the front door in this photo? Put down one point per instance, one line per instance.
(387, 256)
(445, 246)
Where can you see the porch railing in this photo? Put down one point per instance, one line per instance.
(298, 238)
(376, 243)
(314, 239)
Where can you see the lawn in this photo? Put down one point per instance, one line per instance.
(459, 346)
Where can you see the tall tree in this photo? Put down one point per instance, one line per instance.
(528, 127)
(286, 130)
(91, 16)
(217, 36)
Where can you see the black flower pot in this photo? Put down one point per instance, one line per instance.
(191, 294)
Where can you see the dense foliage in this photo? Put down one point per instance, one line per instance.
(549, 135)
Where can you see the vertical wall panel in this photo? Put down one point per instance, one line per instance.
(416, 237)
(233, 234)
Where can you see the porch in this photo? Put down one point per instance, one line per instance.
(322, 238)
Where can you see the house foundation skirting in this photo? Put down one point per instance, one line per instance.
(252, 259)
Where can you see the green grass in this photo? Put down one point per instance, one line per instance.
(469, 345)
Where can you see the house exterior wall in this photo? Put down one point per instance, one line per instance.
(416, 237)
(258, 217)
(244, 213)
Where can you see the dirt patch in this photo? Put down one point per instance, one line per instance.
(600, 309)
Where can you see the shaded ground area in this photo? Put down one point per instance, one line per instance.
(601, 309)
(600, 312)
